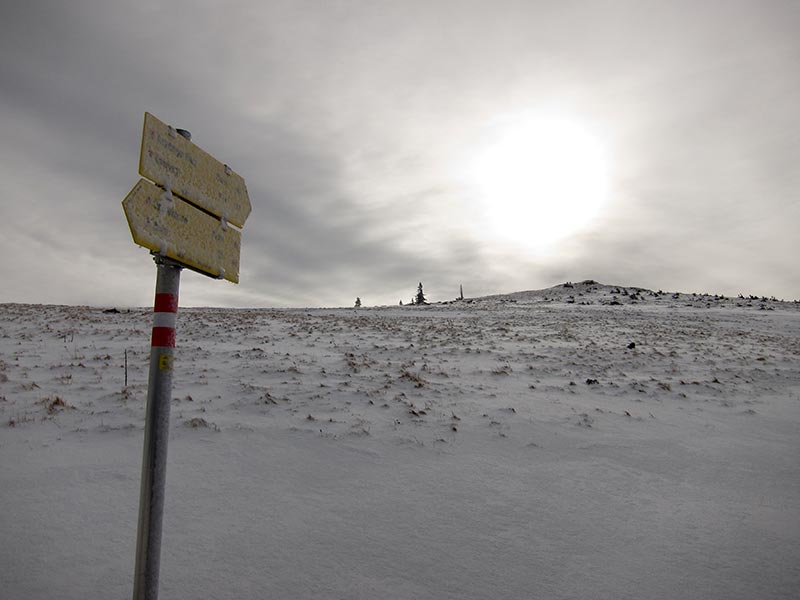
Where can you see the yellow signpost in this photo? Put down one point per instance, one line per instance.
(188, 217)
(171, 227)
(175, 163)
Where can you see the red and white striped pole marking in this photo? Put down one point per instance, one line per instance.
(156, 431)
(165, 314)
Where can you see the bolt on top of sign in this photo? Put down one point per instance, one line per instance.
(186, 216)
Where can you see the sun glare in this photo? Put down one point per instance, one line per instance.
(541, 179)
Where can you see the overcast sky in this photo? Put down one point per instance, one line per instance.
(355, 126)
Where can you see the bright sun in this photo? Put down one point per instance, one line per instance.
(542, 179)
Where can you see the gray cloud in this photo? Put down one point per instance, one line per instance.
(348, 119)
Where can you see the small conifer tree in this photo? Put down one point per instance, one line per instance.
(420, 297)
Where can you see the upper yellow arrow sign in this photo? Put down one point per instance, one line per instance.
(188, 171)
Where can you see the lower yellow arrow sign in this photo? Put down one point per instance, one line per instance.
(173, 228)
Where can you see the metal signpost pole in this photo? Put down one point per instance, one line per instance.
(188, 215)
(156, 432)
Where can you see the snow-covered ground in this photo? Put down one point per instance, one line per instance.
(578, 442)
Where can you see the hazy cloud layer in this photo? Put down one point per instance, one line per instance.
(354, 122)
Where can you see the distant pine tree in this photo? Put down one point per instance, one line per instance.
(420, 297)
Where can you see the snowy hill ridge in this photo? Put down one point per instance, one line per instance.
(589, 292)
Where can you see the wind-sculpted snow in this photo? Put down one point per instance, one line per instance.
(580, 442)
